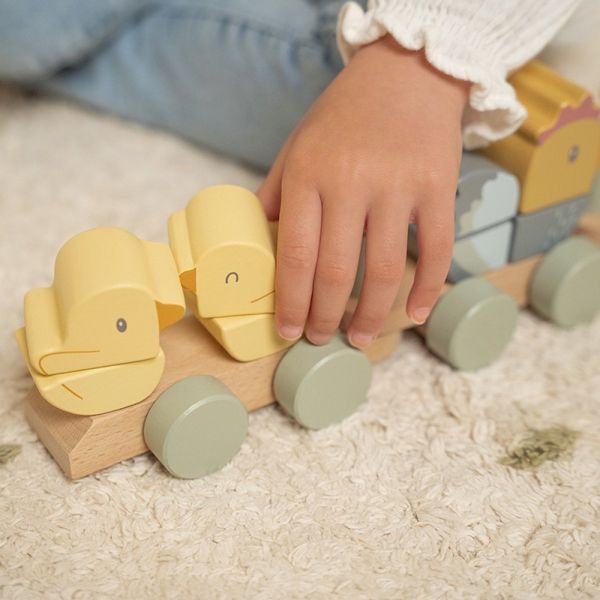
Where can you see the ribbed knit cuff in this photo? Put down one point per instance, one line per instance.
(475, 41)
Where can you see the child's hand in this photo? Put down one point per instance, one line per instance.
(381, 146)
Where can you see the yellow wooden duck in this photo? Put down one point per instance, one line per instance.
(224, 252)
(91, 340)
(224, 248)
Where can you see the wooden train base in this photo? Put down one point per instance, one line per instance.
(84, 444)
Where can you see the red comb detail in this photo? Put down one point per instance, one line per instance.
(586, 110)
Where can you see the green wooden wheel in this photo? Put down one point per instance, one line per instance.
(196, 426)
(471, 324)
(565, 287)
(321, 385)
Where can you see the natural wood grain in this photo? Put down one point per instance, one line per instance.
(82, 445)
(589, 225)
(513, 279)
(383, 346)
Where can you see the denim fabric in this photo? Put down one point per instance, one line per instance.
(232, 75)
(38, 37)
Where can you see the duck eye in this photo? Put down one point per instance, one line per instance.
(232, 275)
(121, 325)
(573, 153)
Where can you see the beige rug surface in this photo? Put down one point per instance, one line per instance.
(406, 499)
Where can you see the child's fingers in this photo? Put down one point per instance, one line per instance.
(435, 239)
(269, 193)
(385, 258)
(297, 248)
(341, 233)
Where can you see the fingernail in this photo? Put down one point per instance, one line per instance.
(318, 338)
(419, 315)
(290, 332)
(360, 339)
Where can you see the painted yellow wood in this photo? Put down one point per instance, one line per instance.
(554, 153)
(96, 329)
(247, 337)
(229, 263)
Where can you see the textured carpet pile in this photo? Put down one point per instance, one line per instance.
(411, 497)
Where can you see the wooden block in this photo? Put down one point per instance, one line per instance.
(96, 391)
(481, 252)
(247, 337)
(96, 329)
(513, 278)
(383, 346)
(486, 195)
(84, 444)
(475, 254)
(537, 232)
(554, 153)
(224, 252)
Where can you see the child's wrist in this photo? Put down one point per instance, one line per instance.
(385, 53)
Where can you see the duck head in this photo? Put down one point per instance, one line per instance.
(111, 295)
(224, 250)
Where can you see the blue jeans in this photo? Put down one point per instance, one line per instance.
(232, 75)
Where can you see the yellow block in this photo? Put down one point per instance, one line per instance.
(224, 252)
(100, 390)
(243, 337)
(554, 153)
(549, 98)
(111, 295)
(246, 337)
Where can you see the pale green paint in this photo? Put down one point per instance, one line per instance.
(471, 324)
(196, 426)
(565, 287)
(321, 385)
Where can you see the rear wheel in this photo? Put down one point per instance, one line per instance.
(196, 426)
(565, 287)
(471, 324)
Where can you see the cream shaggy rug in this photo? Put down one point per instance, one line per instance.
(406, 499)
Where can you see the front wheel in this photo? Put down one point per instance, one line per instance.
(196, 426)
(321, 385)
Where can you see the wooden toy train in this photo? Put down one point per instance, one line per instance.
(109, 385)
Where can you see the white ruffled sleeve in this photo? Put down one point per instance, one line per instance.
(473, 40)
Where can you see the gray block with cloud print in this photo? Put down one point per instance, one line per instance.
(539, 231)
(477, 253)
(486, 195)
